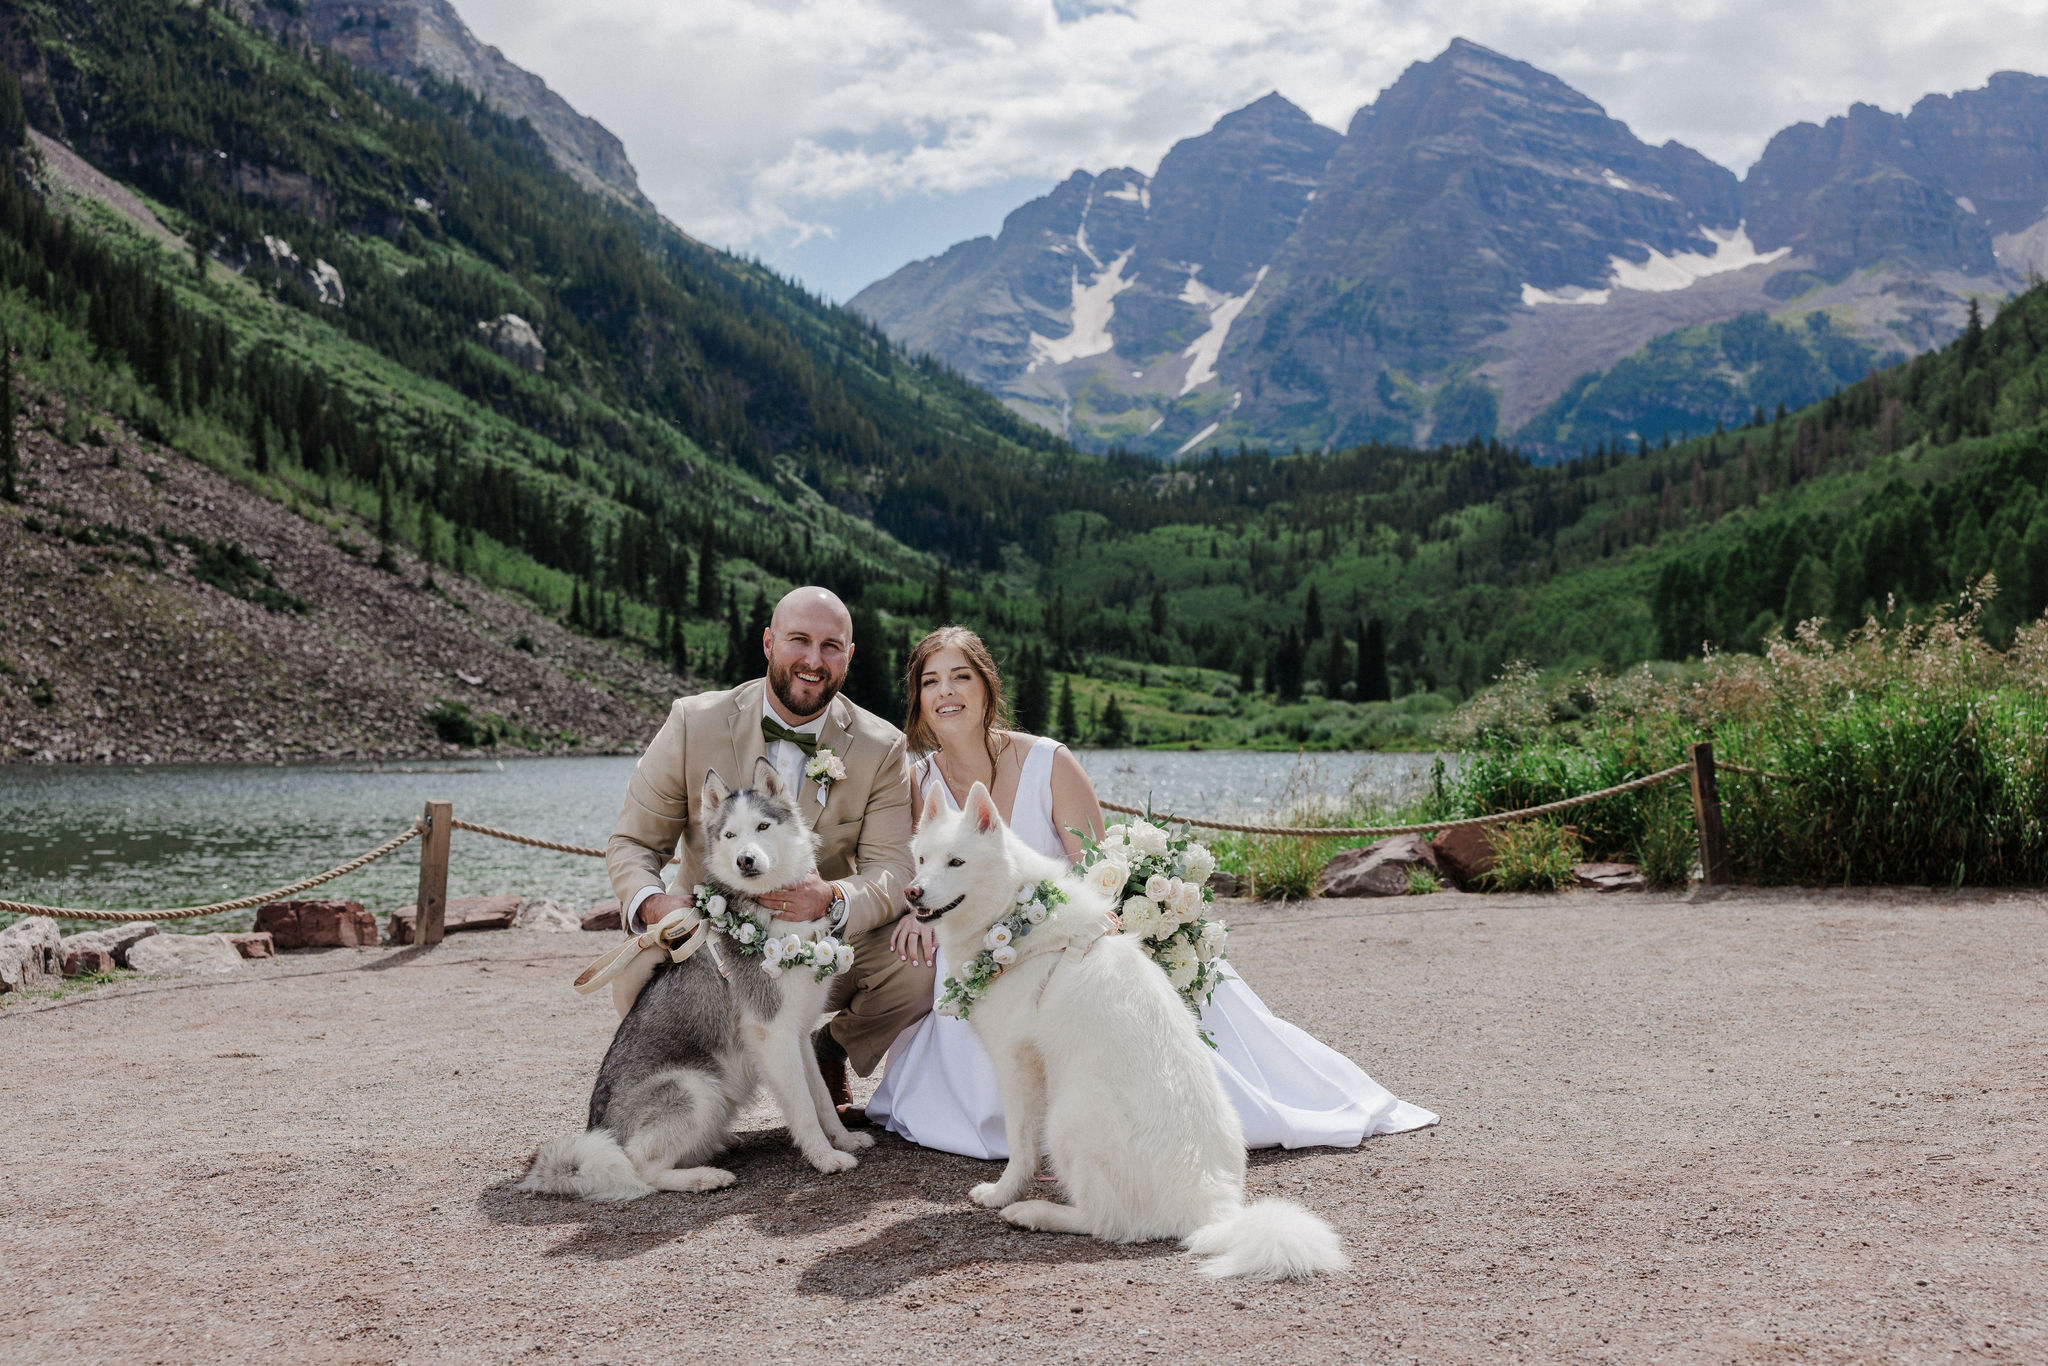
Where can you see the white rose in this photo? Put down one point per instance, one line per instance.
(1004, 956)
(771, 968)
(1117, 831)
(1034, 914)
(1201, 863)
(1209, 946)
(1159, 888)
(997, 936)
(1187, 901)
(1024, 894)
(716, 905)
(749, 932)
(1148, 838)
(1107, 877)
(844, 957)
(772, 951)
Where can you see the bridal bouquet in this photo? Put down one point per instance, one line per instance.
(1159, 876)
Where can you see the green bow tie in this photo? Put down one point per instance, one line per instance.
(773, 730)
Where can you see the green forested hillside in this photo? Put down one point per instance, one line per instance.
(699, 433)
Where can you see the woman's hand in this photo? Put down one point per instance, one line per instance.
(914, 941)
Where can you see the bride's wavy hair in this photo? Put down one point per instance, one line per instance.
(916, 729)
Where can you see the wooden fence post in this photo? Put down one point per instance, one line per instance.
(431, 905)
(1706, 815)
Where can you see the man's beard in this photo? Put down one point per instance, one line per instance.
(782, 681)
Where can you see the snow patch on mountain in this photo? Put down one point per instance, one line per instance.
(1197, 439)
(1223, 310)
(1094, 305)
(1661, 274)
(1131, 193)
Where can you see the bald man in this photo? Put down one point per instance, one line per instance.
(862, 821)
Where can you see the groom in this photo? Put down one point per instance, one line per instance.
(862, 820)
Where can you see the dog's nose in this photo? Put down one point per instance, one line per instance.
(746, 863)
(913, 893)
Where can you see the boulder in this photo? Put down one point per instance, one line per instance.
(1229, 884)
(85, 962)
(1610, 877)
(464, 914)
(514, 338)
(1466, 853)
(542, 914)
(184, 953)
(1380, 869)
(31, 955)
(320, 924)
(117, 940)
(605, 915)
(260, 945)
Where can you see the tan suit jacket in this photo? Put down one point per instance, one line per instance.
(863, 827)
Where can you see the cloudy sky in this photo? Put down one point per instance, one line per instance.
(838, 139)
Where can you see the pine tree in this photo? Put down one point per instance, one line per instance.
(1312, 616)
(430, 536)
(1069, 730)
(1110, 731)
(1159, 616)
(707, 571)
(1247, 673)
(1373, 684)
(942, 600)
(386, 523)
(735, 637)
(1335, 665)
(1287, 668)
(10, 457)
(259, 440)
(1034, 699)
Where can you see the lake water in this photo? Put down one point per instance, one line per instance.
(184, 835)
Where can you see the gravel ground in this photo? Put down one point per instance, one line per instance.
(1774, 1127)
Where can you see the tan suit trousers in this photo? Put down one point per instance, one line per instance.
(880, 998)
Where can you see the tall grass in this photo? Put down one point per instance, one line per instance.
(1911, 753)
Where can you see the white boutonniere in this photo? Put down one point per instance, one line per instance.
(824, 768)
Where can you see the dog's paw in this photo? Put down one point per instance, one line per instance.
(834, 1161)
(991, 1195)
(851, 1142)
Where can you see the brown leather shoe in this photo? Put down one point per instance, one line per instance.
(832, 1067)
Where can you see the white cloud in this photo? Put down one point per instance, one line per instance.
(756, 123)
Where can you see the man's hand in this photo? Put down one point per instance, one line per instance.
(914, 941)
(806, 900)
(662, 904)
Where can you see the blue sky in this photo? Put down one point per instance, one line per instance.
(839, 139)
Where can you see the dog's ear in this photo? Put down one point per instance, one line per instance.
(981, 809)
(714, 794)
(767, 779)
(934, 803)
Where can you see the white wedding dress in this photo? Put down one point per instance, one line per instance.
(939, 1091)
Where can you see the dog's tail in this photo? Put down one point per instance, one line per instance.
(1269, 1240)
(585, 1166)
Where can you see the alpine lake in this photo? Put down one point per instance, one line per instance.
(146, 837)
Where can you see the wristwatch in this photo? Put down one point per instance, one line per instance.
(841, 908)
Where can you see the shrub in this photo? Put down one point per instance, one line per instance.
(1422, 882)
(1533, 856)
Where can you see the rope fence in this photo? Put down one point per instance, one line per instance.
(438, 822)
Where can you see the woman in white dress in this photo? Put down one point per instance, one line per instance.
(938, 1089)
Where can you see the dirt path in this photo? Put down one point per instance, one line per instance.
(1773, 1127)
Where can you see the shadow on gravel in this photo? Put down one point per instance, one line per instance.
(777, 1192)
(933, 1244)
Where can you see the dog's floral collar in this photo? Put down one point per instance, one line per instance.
(825, 955)
(1035, 901)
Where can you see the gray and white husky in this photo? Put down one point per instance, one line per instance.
(709, 1032)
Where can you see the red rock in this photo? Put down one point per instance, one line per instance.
(605, 915)
(253, 945)
(83, 962)
(464, 914)
(1466, 853)
(324, 924)
(1381, 869)
(1610, 877)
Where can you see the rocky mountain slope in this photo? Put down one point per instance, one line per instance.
(1481, 244)
(400, 38)
(158, 611)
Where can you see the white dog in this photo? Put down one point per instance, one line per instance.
(707, 1033)
(1100, 1065)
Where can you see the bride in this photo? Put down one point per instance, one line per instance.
(939, 1089)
